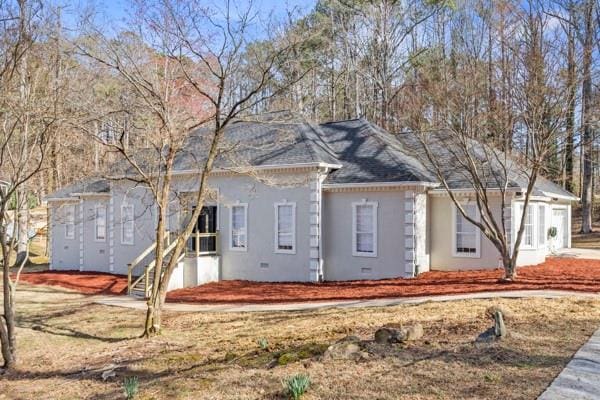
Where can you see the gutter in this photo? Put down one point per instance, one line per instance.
(246, 169)
(384, 184)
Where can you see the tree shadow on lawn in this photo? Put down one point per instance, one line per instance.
(42, 323)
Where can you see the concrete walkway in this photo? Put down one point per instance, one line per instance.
(581, 377)
(130, 302)
(590, 254)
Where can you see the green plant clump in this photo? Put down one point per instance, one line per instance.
(131, 386)
(263, 344)
(296, 386)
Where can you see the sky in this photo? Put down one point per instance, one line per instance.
(117, 9)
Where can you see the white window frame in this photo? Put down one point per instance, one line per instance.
(96, 208)
(70, 221)
(533, 213)
(375, 207)
(276, 226)
(455, 213)
(231, 246)
(124, 224)
(542, 230)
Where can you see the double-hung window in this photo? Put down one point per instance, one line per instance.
(542, 225)
(70, 221)
(285, 228)
(127, 223)
(100, 219)
(528, 233)
(467, 237)
(364, 229)
(238, 219)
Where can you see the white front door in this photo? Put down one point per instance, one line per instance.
(559, 219)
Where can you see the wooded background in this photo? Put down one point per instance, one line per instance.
(394, 62)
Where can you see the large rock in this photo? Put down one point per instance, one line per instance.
(388, 334)
(490, 312)
(348, 348)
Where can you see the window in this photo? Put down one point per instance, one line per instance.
(542, 225)
(127, 224)
(364, 229)
(528, 233)
(70, 222)
(238, 220)
(467, 237)
(285, 228)
(100, 223)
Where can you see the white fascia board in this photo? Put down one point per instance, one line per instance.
(291, 167)
(561, 196)
(378, 184)
(493, 190)
(62, 199)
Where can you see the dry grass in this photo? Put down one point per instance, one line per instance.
(65, 342)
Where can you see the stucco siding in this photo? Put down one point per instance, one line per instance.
(441, 241)
(64, 251)
(339, 263)
(260, 262)
(95, 254)
(144, 225)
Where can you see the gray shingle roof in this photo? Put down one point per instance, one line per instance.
(443, 147)
(369, 154)
(269, 139)
(365, 152)
(88, 185)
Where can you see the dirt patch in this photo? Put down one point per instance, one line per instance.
(83, 282)
(556, 273)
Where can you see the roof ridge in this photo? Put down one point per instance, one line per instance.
(377, 135)
(320, 136)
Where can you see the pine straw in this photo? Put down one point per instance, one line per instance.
(65, 342)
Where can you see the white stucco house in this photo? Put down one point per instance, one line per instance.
(302, 202)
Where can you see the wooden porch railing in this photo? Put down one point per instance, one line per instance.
(133, 268)
(193, 246)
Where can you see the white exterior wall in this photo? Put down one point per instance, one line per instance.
(442, 231)
(339, 263)
(260, 262)
(64, 252)
(95, 252)
(145, 218)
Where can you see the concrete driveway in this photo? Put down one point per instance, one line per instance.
(591, 254)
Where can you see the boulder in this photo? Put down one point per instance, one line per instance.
(411, 333)
(346, 349)
(499, 327)
(388, 335)
(490, 312)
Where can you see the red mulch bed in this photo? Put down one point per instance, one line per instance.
(83, 282)
(556, 273)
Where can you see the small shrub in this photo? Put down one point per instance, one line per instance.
(296, 386)
(263, 343)
(131, 386)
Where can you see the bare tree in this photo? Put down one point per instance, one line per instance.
(465, 130)
(183, 50)
(28, 110)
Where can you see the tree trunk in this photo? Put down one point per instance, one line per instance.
(570, 123)
(588, 145)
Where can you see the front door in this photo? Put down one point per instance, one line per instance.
(207, 223)
(558, 221)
